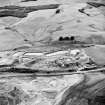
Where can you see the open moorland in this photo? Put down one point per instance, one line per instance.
(52, 52)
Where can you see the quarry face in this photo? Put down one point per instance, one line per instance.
(52, 52)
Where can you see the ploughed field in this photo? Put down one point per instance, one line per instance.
(52, 52)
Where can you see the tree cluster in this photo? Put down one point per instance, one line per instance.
(71, 38)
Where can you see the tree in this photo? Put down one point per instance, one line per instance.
(66, 38)
(61, 38)
(72, 38)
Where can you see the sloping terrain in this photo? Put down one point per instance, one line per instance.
(52, 52)
(36, 26)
